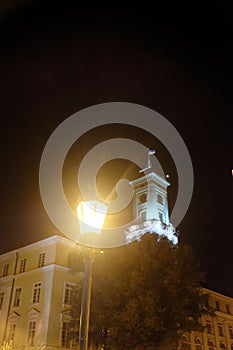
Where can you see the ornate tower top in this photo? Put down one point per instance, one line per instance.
(151, 205)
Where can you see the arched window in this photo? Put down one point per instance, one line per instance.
(222, 345)
(197, 344)
(185, 344)
(210, 345)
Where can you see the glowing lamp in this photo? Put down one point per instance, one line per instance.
(91, 216)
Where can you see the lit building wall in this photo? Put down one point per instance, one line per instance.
(150, 198)
(218, 329)
(33, 293)
(151, 208)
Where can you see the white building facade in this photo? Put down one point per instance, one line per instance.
(151, 208)
(35, 294)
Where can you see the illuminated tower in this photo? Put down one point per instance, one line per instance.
(151, 206)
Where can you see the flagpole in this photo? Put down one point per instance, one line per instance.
(148, 165)
(148, 159)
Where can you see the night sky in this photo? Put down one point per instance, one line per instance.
(57, 59)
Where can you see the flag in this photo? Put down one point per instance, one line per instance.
(151, 151)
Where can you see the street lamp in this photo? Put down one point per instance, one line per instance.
(91, 217)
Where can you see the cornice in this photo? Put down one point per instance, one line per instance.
(150, 176)
(217, 295)
(39, 244)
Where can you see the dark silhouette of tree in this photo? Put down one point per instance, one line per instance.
(145, 295)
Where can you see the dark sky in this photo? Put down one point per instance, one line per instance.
(59, 59)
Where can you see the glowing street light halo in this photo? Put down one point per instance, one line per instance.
(63, 137)
(91, 216)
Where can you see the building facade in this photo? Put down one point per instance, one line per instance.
(218, 329)
(35, 294)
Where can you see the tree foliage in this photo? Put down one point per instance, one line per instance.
(145, 294)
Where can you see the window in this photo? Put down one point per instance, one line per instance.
(160, 216)
(36, 292)
(65, 335)
(22, 265)
(222, 345)
(228, 309)
(31, 333)
(41, 259)
(230, 332)
(142, 198)
(209, 327)
(17, 296)
(11, 332)
(68, 293)
(1, 299)
(210, 345)
(185, 345)
(143, 215)
(217, 306)
(220, 329)
(197, 344)
(5, 270)
(159, 199)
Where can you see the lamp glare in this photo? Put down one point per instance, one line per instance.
(91, 216)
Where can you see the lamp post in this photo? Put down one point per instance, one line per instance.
(91, 217)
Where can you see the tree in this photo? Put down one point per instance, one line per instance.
(145, 294)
